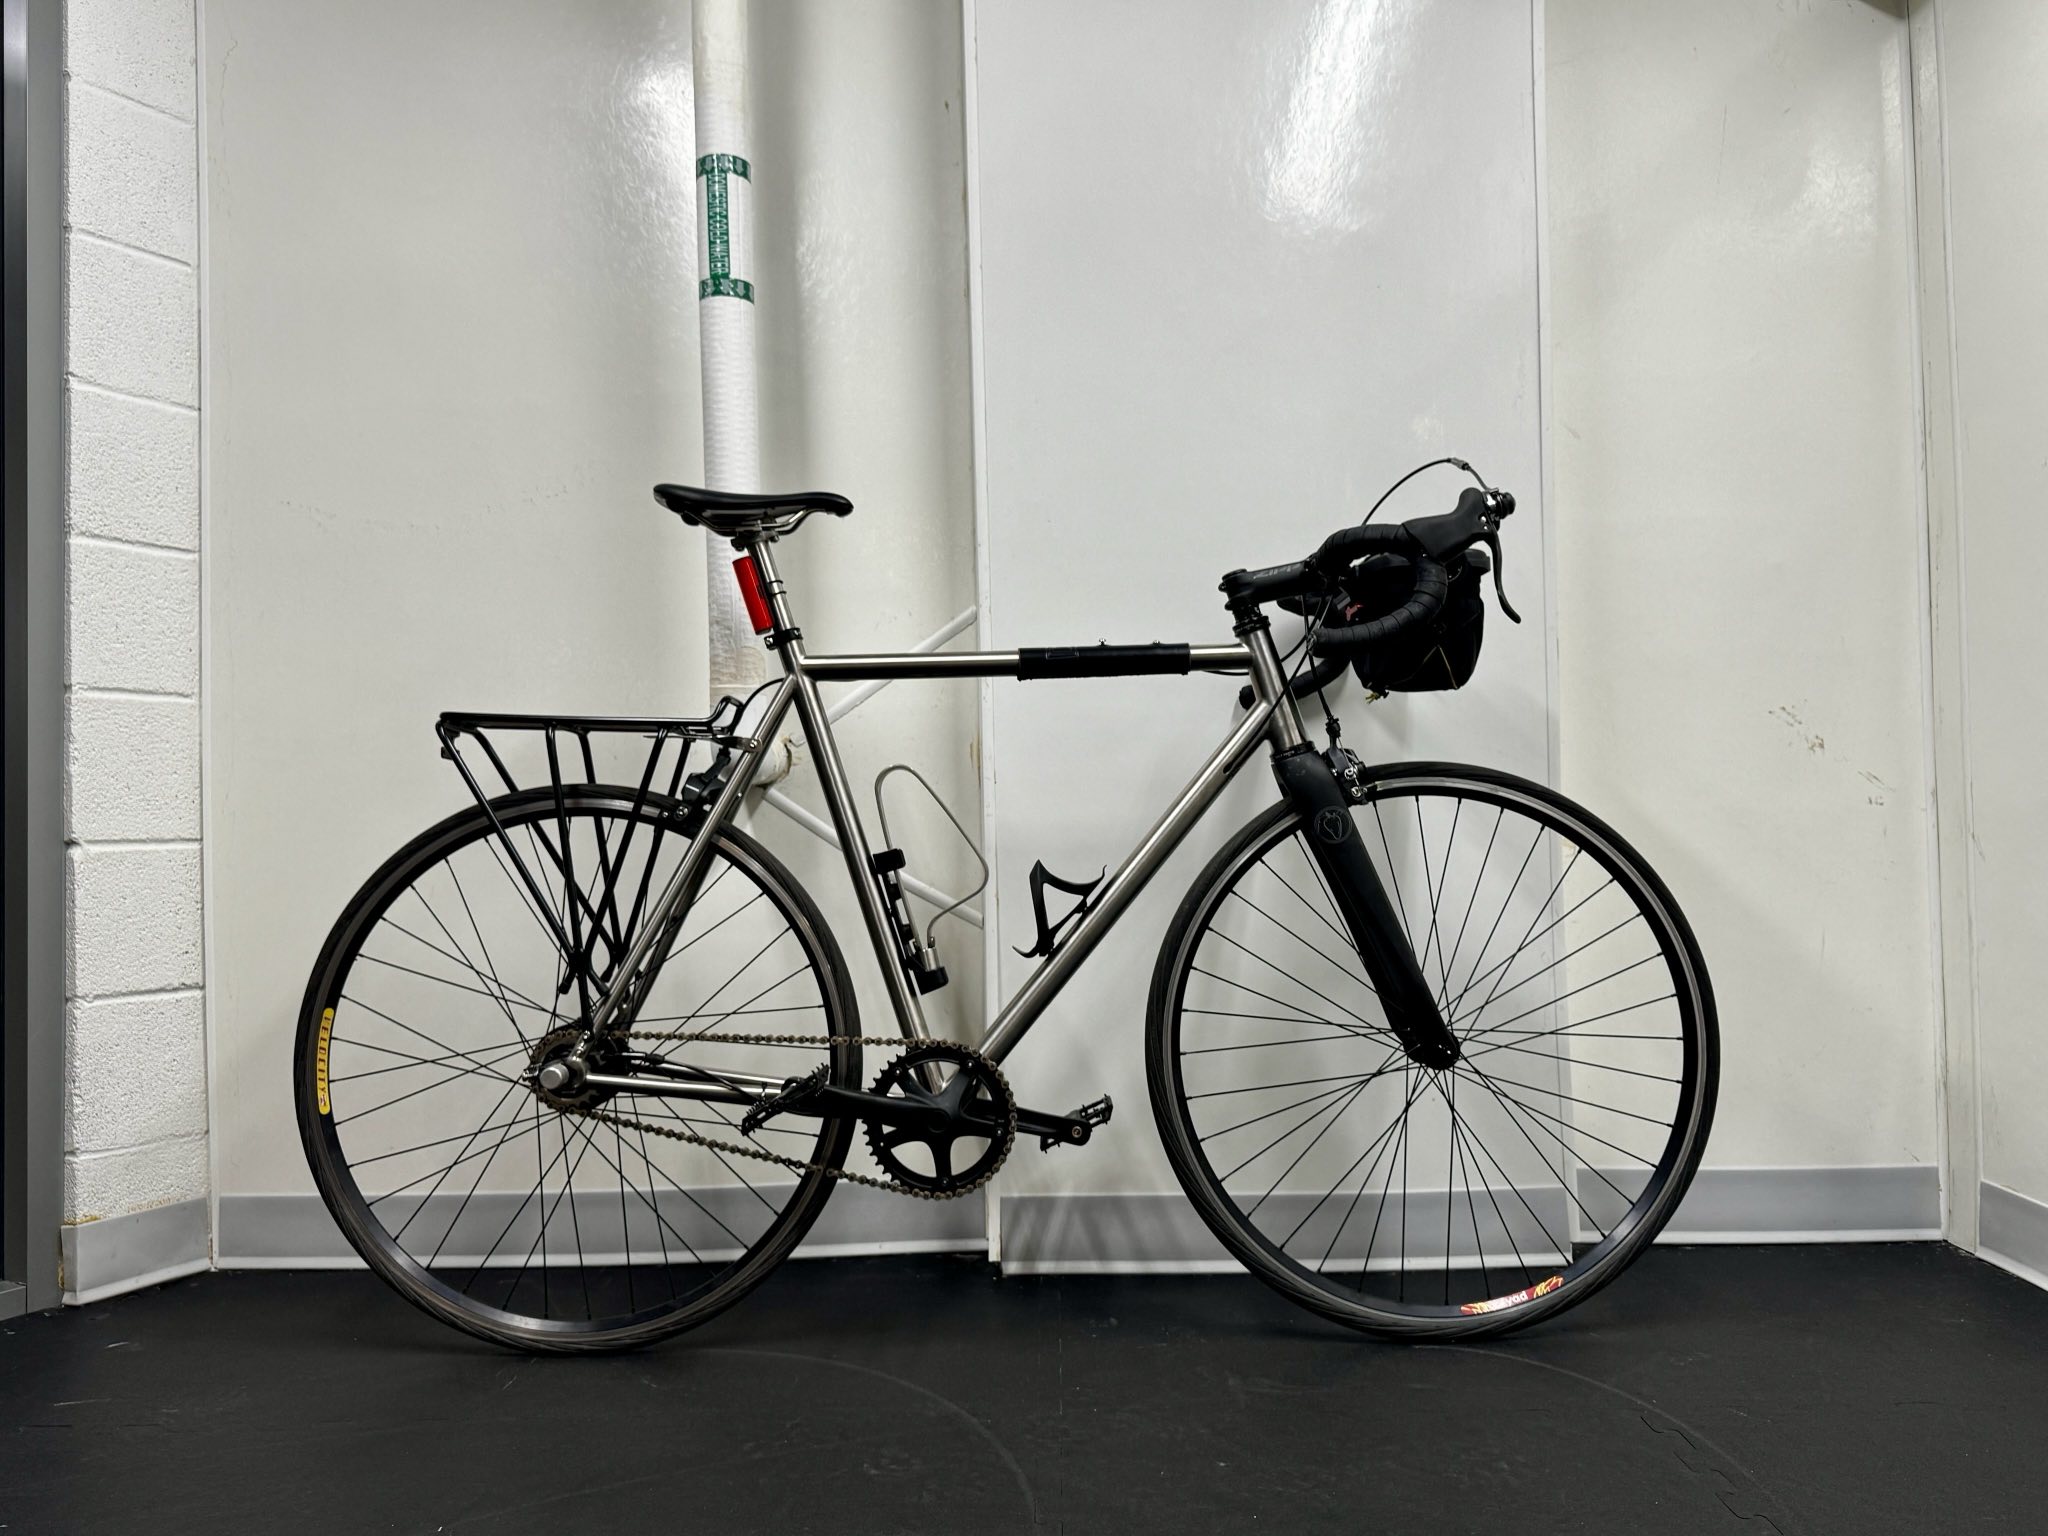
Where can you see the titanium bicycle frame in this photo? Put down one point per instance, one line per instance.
(1273, 717)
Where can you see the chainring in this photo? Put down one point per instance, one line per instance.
(976, 1083)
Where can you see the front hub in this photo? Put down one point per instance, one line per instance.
(1437, 1048)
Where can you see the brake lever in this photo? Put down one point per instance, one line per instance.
(1499, 504)
(1492, 540)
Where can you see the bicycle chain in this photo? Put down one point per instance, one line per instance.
(798, 1164)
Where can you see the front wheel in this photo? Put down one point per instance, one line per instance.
(1398, 1198)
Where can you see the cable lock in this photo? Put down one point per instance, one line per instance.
(919, 956)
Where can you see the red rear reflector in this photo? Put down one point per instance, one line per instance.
(750, 591)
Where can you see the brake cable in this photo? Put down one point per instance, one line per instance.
(1478, 479)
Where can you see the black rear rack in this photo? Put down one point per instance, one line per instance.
(599, 934)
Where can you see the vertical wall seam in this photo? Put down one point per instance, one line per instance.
(1910, 115)
(1944, 635)
(1546, 461)
(984, 628)
(1962, 633)
(207, 1007)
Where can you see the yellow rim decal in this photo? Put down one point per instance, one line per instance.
(1502, 1303)
(320, 1060)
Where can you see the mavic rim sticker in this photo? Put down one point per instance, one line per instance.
(1520, 1298)
(320, 1061)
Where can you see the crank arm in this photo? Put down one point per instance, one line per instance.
(1064, 1130)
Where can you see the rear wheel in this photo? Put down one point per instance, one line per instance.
(526, 1219)
(1397, 1198)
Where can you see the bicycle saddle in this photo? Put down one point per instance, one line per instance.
(731, 514)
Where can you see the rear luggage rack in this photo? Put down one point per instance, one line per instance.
(685, 794)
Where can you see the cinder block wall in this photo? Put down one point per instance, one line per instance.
(136, 1132)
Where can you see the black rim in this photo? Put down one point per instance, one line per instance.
(1548, 1153)
(454, 1177)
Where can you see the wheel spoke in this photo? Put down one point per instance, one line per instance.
(517, 1209)
(1350, 1029)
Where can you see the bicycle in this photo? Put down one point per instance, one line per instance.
(634, 1063)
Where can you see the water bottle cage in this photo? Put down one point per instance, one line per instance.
(1052, 934)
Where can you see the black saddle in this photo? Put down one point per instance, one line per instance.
(731, 514)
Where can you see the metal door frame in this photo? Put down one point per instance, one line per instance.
(32, 586)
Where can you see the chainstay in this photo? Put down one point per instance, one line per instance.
(782, 1160)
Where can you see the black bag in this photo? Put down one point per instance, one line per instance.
(1440, 654)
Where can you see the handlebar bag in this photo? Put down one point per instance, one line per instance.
(1430, 657)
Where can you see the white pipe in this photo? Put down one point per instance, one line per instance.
(725, 317)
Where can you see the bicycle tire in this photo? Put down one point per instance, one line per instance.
(337, 1179)
(1472, 1306)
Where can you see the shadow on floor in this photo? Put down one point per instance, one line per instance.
(1730, 1390)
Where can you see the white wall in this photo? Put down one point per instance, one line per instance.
(453, 342)
(862, 253)
(135, 1128)
(1991, 57)
(1237, 275)
(1736, 501)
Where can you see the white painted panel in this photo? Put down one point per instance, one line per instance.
(861, 250)
(1993, 55)
(1241, 266)
(453, 341)
(1737, 535)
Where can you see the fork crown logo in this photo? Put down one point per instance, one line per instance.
(1333, 824)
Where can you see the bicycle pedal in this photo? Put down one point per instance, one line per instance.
(1070, 1130)
(1097, 1113)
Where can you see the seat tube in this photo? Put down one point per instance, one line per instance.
(853, 841)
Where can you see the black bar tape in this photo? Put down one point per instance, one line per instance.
(1034, 662)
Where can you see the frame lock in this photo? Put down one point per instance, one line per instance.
(920, 960)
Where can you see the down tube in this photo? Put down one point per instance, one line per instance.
(1044, 984)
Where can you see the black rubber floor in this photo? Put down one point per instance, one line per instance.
(1864, 1389)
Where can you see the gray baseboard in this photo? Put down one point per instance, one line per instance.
(1052, 1233)
(2012, 1229)
(124, 1253)
(1810, 1205)
(295, 1231)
